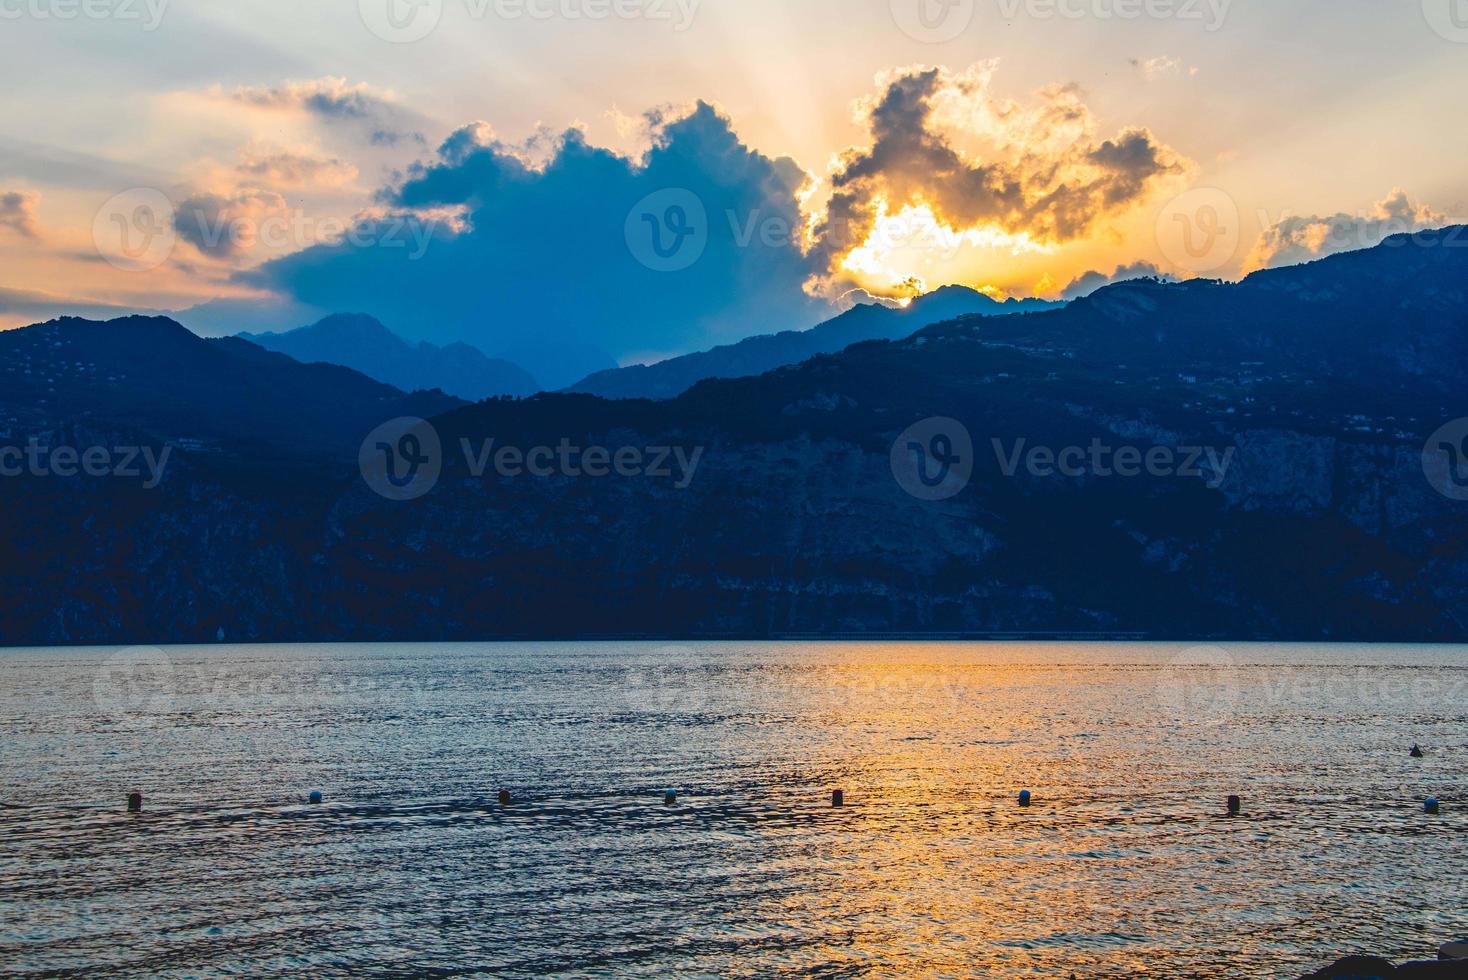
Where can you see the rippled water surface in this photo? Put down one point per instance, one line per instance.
(1124, 866)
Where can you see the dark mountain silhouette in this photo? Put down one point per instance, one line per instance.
(756, 355)
(363, 344)
(151, 375)
(1321, 382)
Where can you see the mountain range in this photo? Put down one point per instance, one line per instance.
(1294, 408)
(225, 396)
(756, 355)
(362, 343)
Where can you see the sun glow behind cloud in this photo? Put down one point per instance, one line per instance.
(1026, 159)
(912, 250)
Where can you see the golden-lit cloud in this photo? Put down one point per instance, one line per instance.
(948, 154)
(1293, 240)
(289, 169)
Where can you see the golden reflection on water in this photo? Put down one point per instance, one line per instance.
(933, 867)
(1124, 866)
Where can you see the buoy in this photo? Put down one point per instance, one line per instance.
(315, 796)
(670, 796)
(1454, 951)
(1432, 805)
(135, 802)
(838, 797)
(1024, 797)
(1235, 806)
(1417, 752)
(504, 797)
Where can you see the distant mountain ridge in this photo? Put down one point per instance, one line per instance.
(153, 376)
(756, 355)
(1324, 388)
(362, 343)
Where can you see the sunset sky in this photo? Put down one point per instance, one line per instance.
(1041, 142)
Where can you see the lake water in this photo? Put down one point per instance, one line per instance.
(1125, 866)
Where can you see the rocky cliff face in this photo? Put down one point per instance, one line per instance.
(1216, 482)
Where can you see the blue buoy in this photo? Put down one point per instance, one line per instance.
(670, 796)
(1024, 797)
(1432, 805)
(315, 796)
